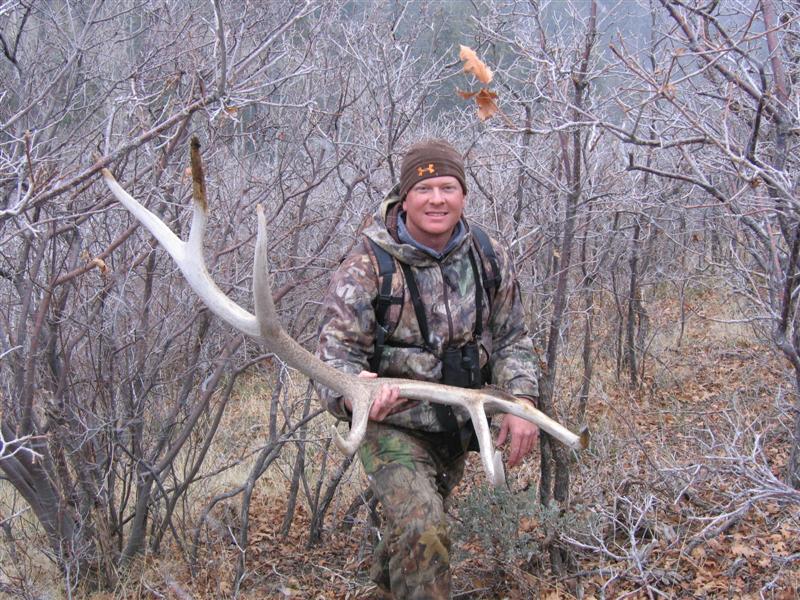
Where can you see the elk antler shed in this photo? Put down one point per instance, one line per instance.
(265, 327)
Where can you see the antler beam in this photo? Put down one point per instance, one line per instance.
(266, 327)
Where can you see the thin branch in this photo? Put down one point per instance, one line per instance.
(222, 69)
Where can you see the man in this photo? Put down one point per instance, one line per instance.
(440, 322)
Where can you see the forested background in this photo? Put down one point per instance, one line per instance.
(642, 168)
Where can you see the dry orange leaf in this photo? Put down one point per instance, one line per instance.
(527, 524)
(486, 101)
(101, 265)
(743, 550)
(474, 65)
(487, 104)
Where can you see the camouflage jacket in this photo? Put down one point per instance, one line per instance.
(446, 286)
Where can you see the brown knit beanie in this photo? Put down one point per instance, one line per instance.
(430, 158)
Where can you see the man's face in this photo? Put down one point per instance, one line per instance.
(433, 208)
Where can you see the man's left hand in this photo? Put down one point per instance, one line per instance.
(524, 436)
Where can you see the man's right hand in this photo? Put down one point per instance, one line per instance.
(387, 400)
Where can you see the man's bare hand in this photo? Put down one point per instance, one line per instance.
(524, 436)
(387, 400)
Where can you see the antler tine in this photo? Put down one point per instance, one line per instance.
(492, 459)
(283, 345)
(189, 259)
(266, 314)
(154, 225)
(499, 401)
(197, 231)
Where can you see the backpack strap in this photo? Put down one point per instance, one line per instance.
(477, 330)
(444, 413)
(383, 301)
(419, 308)
(493, 279)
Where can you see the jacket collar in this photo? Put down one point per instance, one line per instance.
(405, 237)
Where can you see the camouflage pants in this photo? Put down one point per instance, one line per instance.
(411, 473)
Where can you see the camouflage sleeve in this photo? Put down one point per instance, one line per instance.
(346, 337)
(514, 362)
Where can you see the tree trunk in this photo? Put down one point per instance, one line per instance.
(633, 308)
